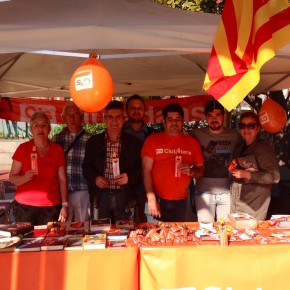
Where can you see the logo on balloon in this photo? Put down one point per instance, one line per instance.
(264, 118)
(85, 81)
(272, 116)
(91, 86)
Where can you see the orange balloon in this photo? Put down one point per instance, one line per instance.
(272, 116)
(91, 86)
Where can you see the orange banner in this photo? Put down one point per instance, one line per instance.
(21, 109)
(215, 268)
(102, 269)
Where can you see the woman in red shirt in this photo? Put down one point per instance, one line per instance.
(38, 170)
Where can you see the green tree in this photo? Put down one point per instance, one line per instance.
(209, 6)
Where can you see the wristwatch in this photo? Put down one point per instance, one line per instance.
(64, 203)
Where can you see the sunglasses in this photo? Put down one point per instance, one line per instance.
(250, 126)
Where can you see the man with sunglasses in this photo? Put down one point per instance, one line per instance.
(212, 196)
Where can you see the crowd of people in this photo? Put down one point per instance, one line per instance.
(131, 172)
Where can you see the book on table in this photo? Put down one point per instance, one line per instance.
(36, 233)
(74, 243)
(125, 224)
(118, 234)
(116, 244)
(75, 226)
(100, 224)
(56, 229)
(9, 244)
(75, 229)
(53, 243)
(97, 241)
(29, 245)
(74, 233)
(15, 229)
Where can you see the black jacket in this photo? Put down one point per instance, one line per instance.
(130, 163)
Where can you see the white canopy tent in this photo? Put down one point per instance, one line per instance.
(148, 49)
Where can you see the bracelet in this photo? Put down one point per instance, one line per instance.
(64, 203)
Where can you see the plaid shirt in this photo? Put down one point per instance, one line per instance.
(112, 147)
(74, 158)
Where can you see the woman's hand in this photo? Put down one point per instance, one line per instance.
(63, 215)
(28, 175)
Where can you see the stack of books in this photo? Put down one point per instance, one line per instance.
(29, 245)
(53, 243)
(118, 234)
(96, 234)
(9, 244)
(74, 243)
(125, 224)
(75, 229)
(100, 225)
(97, 241)
(15, 229)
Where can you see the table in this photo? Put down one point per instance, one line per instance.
(104, 269)
(244, 267)
(261, 263)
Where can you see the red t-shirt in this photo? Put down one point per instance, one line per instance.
(164, 148)
(42, 189)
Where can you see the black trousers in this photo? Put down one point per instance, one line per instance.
(36, 215)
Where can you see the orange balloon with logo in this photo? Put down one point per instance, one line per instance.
(272, 116)
(91, 86)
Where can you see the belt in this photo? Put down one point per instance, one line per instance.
(72, 190)
(112, 190)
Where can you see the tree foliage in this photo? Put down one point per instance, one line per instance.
(209, 6)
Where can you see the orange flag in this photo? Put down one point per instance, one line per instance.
(248, 36)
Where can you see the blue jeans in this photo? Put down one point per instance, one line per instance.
(211, 207)
(112, 205)
(171, 210)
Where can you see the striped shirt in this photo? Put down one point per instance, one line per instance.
(74, 158)
(113, 151)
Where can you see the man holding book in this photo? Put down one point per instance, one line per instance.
(170, 160)
(73, 140)
(112, 167)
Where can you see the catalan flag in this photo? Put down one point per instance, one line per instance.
(249, 34)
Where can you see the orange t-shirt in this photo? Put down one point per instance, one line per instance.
(164, 148)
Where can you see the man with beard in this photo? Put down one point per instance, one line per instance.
(170, 160)
(135, 109)
(212, 196)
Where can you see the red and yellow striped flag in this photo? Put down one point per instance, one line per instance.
(248, 35)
